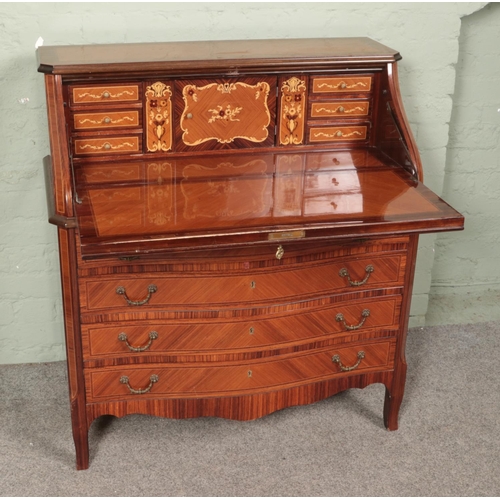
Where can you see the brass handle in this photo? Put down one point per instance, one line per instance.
(343, 85)
(341, 109)
(122, 337)
(151, 289)
(336, 359)
(339, 133)
(344, 273)
(107, 119)
(106, 94)
(280, 252)
(107, 145)
(364, 315)
(152, 380)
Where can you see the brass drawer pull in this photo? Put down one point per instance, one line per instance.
(344, 273)
(336, 359)
(152, 380)
(122, 337)
(151, 289)
(364, 314)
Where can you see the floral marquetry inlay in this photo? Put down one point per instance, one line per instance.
(159, 117)
(293, 105)
(225, 112)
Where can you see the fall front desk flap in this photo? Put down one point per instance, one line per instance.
(232, 199)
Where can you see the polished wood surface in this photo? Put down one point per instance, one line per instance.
(187, 57)
(238, 225)
(219, 380)
(240, 338)
(182, 203)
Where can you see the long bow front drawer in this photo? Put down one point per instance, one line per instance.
(170, 380)
(258, 330)
(160, 290)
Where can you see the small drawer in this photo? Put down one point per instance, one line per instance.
(258, 330)
(221, 379)
(339, 109)
(104, 94)
(114, 119)
(338, 134)
(163, 290)
(107, 145)
(331, 84)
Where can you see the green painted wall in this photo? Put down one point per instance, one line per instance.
(427, 35)
(466, 274)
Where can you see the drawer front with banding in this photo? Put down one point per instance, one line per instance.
(162, 289)
(225, 379)
(259, 330)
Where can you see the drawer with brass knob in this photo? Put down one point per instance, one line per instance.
(108, 145)
(339, 109)
(103, 94)
(344, 84)
(110, 120)
(338, 133)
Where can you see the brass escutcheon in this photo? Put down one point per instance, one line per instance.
(280, 252)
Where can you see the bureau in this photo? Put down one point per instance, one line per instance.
(237, 222)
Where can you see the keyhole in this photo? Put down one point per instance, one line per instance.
(253, 284)
(249, 373)
(251, 330)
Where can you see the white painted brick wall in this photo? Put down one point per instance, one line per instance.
(30, 305)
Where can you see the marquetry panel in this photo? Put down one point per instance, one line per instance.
(105, 94)
(240, 336)
(172, 380)
(107, 145)
(235, 288)
(113, 119)
(338, 134)
(350, 84)
(339, 109)
(293, 92)
(159, 117)
(227, 111)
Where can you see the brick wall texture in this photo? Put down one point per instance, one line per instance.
(427, 35)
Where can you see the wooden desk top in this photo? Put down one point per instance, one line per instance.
(184, 56)
(219, 200)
